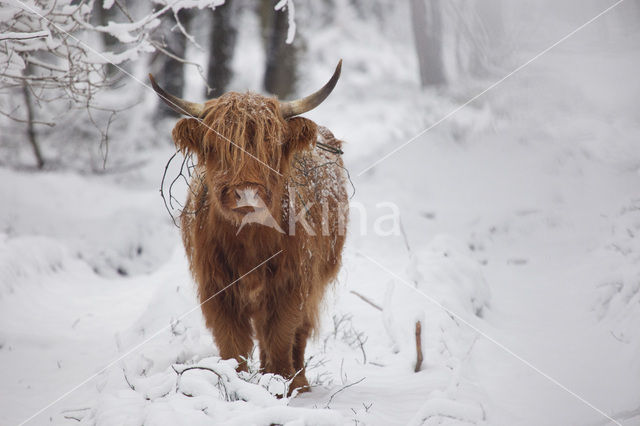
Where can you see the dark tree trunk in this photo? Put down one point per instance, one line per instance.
(171, 70)
(426, 18)
(109, 42)
(222, 42)
(280, 73)
(264, 10)
(31, 132)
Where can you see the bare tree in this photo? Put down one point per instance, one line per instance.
(426, 19)
(222, 42)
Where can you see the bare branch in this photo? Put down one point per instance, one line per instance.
(21, 120)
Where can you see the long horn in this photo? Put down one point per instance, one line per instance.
(175, 103)
(300, 106)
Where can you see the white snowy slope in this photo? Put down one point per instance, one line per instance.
(548, 202)
(521, 262)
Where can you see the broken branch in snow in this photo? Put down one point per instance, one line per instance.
(70, 417)
(418, 346)
(366, 299)
(221, 380)
(76, 414)
(126, 379)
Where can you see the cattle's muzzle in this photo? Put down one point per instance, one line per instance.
(245, 198)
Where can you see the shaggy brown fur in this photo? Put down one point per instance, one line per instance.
(278, 302)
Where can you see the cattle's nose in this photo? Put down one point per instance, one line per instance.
(248, 196)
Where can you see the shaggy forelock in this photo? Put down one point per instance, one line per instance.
(243, 131)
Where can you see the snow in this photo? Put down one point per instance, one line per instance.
(521, 261)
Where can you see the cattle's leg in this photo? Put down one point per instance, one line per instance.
(299, 345)
(231, 329)
(277, 335)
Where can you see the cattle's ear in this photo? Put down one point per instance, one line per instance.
(187, 135)
(301, 134)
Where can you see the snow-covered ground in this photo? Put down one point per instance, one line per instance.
(521, 261)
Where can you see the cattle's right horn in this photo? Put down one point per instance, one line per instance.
(300, 106)
(175, 103)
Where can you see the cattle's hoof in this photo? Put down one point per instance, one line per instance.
(299, 383)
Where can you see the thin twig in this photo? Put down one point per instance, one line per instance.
(341, 389)
(20, 120)
(164, 199)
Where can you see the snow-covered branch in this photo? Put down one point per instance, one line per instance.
(291, 18)
(44, 45)
(52, 44)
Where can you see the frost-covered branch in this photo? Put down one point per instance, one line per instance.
(45, 44)
(58, 50)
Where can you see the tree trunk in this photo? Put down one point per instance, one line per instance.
(222, 42)
(31, 132)
(426, 19)
(109, 42)
(171, 71)
(264, 9)
(280, 73)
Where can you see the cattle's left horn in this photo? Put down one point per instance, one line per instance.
(300, 106)
(175, 103)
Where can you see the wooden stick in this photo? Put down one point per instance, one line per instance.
(366, 299)
(418, 346)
